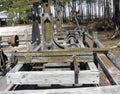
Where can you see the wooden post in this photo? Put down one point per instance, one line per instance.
(76, 70)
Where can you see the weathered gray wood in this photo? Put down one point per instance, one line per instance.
(89, 90)
(113, 72)
(62, 66)
(92, 67)
(52, 77)
(110, 55)
(56, 59)
(3, 83)
(66, 52)
(115, 60)
(9, 31)
(56, 64)
(16, 68)
(81, 44)
(83, 55)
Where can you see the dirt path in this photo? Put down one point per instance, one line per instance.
(104, 38)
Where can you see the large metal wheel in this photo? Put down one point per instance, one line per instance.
(13, 40)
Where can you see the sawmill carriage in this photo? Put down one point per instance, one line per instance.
(55, 57)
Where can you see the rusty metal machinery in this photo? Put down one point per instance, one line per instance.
(54, 57)
(3, 61)
(14, 40)
(47, 46)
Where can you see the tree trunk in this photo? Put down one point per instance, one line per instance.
(69, 13)
(116, 11)
(95, 12)
(99, 8)
(102, 9)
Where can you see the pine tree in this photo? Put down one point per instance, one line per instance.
(17, 13)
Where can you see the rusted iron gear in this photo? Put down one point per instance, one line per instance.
(13, 40)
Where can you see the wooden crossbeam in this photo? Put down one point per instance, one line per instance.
(56, 59)
(68, 52)
(52, 77)
(54, 56)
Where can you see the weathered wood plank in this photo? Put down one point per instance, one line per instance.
(103, 79)
(110, 55)
(9, 31)
(67, 52)
(92, 66)
(111, 69)
(28, 59)
(52, 77)
(89, 90)
(16, 68)
(83, 55)
(56, 66)
(116, 61)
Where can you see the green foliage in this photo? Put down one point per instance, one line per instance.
(61, 1)
(64, 1)
(20, 13)
(90, 1)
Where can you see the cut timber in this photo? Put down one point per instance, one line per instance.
(53, 56)
(52, 77)
(56, 59)
(9, 31)
(112, 70)
(103, 79)
(66, 52)
(89, 90)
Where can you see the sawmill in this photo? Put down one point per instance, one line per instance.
(57, 60)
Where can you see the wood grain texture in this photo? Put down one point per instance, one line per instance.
(52, 77)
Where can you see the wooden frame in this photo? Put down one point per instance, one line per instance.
(62, 77)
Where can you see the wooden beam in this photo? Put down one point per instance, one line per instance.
(57, 59)
(111, 69)
(52, 77)
(65, 52)
(57, 55)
